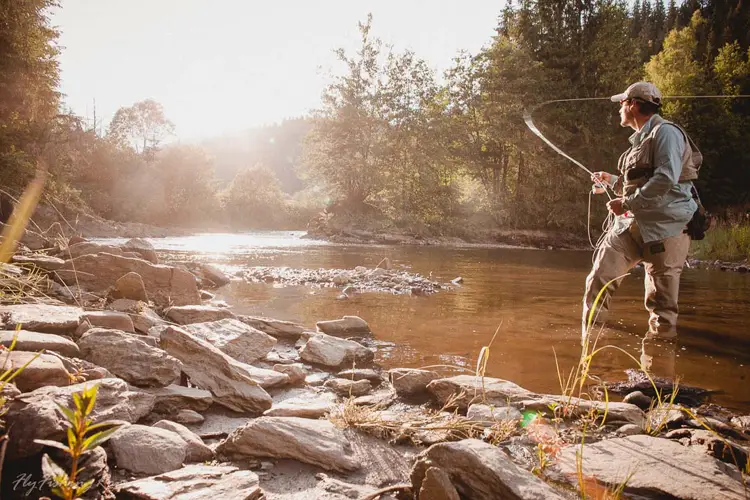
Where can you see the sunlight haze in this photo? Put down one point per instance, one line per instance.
(227, 65)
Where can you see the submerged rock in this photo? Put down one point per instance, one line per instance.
(348, 325)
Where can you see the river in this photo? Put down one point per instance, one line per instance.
(533, 297)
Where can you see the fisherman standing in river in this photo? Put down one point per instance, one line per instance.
(653, 207)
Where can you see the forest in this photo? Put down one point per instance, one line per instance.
(393, 143)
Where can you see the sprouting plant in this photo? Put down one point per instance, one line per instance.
(543, 459)
(83, 436)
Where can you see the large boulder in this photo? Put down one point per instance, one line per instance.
(214, 275)
(44, 318)
(165, 285)
(148, 450)
(40, 261)
(129, 358)
(334, 352)
(316, 442)
(220, 482)
(35, 342)
(42, 370)
(655, 468)
(186, 315)
(173, 398)
(234, 338)
(35, 415)
(348, 325)
(197, 451)
(211, 369)
(471, 388)
(480, 471)
(274, 327)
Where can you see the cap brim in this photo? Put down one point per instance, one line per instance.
(619, 97)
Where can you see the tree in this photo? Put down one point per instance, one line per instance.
(254, 199)
(142, 126)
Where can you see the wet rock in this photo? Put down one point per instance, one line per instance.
(480, 471)
(348, 388)
(491, 390)
(186, 315)
(129, 358)
(274, 327)
(44, 262)
(334, 352)
(437, 486)
(486, 413)
(639, 399)
(215, 275)
(655, 468)
(203, 482)
(316, 442)
(410, 382)
(109, 319)
(211, 369)
(165, 285)
(188, 417)
(302, 407)
(141, 247)
(148, 450)
(296, 372)
(35, 342)
(43, 318)
(197, 451)
(42, 371)
(130, 286)
(348, 325)
(629, 430)
(34, 415)
(678, 434)
(362, 374)
(234, 338)
(173, 398)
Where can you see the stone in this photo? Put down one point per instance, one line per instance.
(362, 374)
(315, 442)
(274, 327)
(43, 318)
(348, 325)
(34, 240)
(719, 448)
(141, 247)
(743, 422)
(148, 450)
(165, 285)
(263, 377)
(109, 319)
(219, 482)
(334, 352)
(234, 338)
(295, 371)
(481, 471)
(146, 319)
(90, 248)
(665, 416)
(42, 371)
(91, 466)
(188, 417)
(616, 412)
(639, 399)
(490, 390)
(186, 315)
(215, 275)
(487, 413)
(409, 382)
(84, 371)
(129, 358)
(211, 369)
(197, 451)
(629, 430)
(437, 485)
(35, 342)
(655, 467)
(44, 262)
(130, 286)
(206, 295)
(34, 415)
(173, 398)
(348, 388)
(302, 407)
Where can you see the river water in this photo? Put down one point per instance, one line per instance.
(532, 296)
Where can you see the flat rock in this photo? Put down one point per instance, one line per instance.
(409, 382)
(302, 407)
(165, 285)
(234, 338)
(348, 388)
(487, 413)
(35, 342)
(197, 451)
(655, 467)
(361, 374)
(186, 315)
(316, 442)
(481, 471)
(211, 369)
(43, 370)
(188, 417)
(148, 450)
(42, 318)
(274, 327)
(615, 412)
(489, 390)
(129, 358)
(34, 415)
(334, 352)
(348, 325)
(262, 376)
(173, 398)
(109, 319)
(219, 482)
(90, 248)
(45, 262)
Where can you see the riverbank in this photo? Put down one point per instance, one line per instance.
(286, 411)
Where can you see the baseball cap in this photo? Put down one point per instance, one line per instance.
(644, 91)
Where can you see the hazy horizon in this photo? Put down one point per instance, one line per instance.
(227, 66)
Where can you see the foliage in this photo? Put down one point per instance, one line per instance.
(254, 199)
(142, 126)
(728, 241)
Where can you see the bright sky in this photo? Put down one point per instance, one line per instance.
(221, 66)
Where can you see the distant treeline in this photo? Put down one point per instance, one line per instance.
(393, 141)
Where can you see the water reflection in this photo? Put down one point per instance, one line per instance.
(535, 294)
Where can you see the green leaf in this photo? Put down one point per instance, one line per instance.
(53, 471)
(99, 438)
(72, 438)
(92, 400)
(69, 415)
(53, 444)
(77, 401)
(106, 424)
(84, 487)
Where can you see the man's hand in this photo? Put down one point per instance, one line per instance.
(615, 206)
(600, 180)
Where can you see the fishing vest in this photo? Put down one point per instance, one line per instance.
(636, 165)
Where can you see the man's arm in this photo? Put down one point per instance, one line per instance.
(669, 146)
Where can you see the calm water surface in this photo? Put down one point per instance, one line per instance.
(534, 295)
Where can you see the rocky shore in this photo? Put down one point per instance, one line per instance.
(219, 405)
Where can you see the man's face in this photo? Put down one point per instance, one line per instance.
(627, 119)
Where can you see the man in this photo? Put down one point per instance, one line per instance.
(652, 210)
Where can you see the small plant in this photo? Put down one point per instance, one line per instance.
(83, 436)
